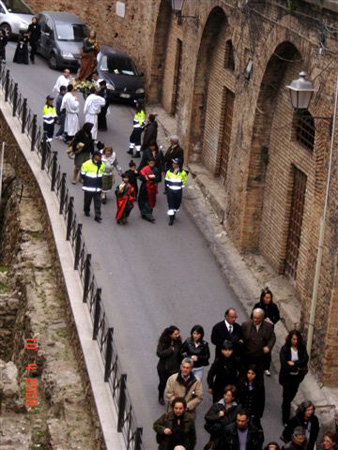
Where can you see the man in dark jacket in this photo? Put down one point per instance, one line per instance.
(173, 152)
(150, 132)
(241, 435)
(259, 339)
(298, 440)
(34, 31)
(227, 330)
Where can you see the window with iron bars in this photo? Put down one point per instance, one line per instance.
(229, 61)
(304, 129)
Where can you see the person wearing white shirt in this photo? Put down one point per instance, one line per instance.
(91, 110)
(72, 106)
(63, 80)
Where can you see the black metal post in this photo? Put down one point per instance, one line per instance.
(109, 353)
(78, 246)
(63, 193)
(54, 167)
(122, 402)
(7, 86)
(43, 151)
(15, 99)
(33, 136)
(97, 312)
(138, 438)
(24, 115)
(70, 217)
(86, 277)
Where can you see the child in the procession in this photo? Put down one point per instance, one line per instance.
(110, 163)
(125, 196)
(149, 177)
(133, 176)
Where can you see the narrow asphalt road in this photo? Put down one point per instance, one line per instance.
(151, 275)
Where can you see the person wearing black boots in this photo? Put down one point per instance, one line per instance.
(175, 180)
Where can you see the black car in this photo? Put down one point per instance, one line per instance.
(62, 36)
(120, 73)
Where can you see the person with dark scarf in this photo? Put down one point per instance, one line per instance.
(21, 51)
(175, 428)
(149, 177)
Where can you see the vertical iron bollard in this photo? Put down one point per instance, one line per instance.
(97, 312)
(7, 86)
(109, 353)
(33, 136)
(86, 277)
(78, 246)
(62, 193)
(43, 151)
(138, 438)
(122, 402)
(15, 99)
(70, 217)
(54, 167)
(24, 115)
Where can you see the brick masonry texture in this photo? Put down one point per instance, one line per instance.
(263, 150)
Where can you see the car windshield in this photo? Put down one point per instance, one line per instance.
(118, 65)
(17, 6)
(71, 32)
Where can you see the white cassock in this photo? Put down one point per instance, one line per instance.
(72, 107)
(61, 81)
(91, 109)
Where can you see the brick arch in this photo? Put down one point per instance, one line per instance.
(214, 24)
(271, 84)
(162, 30)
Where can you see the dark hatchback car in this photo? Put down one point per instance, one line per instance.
(120, 73)
(62, 36)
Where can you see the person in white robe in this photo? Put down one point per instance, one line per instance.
(63, 80)
(92, 108)
(72, 106)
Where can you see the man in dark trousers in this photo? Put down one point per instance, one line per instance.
(173, 152)
(227, 330)
(91, 172)
(34, 31)
(149, 133)
(101, 118)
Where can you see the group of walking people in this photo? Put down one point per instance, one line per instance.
(236, 383)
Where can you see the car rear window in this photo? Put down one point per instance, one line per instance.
(71, 32)
(118, 65)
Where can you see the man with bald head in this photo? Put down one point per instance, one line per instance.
(258, 338)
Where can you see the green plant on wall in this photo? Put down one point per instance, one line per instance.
(291, 6)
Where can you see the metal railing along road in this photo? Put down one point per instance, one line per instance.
(103, 332)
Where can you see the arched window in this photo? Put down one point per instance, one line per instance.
(305, 129)
(229, 61)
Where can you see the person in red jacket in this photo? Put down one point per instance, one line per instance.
(125, 197)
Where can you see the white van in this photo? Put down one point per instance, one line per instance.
(15, 16)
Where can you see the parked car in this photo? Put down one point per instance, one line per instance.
(123, 79)
(15, 16)
(62, 36)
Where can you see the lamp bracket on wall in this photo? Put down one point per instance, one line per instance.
(177, 7)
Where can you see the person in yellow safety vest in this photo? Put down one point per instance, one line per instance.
(91, 172)
(138, 127)
(175, 180)
(49, 118)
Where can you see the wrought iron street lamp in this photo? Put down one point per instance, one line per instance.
(177, 7)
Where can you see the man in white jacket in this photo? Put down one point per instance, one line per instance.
(72, 106)
(92, 109)
(63, 80)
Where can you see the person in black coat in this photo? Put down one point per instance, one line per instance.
(223, 371)
(34, 32)
(197, 349)
(229, 439)
(293, 360)
(21, 51)
(271, 315)
(150, 132)
(174, 151)
(251, 395)
(3, 43)
(101, 117)
(169, 352)
(133, 176)
(305, 418)
(227, 330)
(153, 152)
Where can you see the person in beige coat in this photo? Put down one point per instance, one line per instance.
(185, 384)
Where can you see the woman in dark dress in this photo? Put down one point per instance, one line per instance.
(197, 349)
(83, 148)
(305, 418)
(223, 371)
(271, 315)
(21, 51)
(251, 395)
(293, 359)
(169, 352)
(3, 43)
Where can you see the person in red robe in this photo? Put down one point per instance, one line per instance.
(149, 177)
(125, 197)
